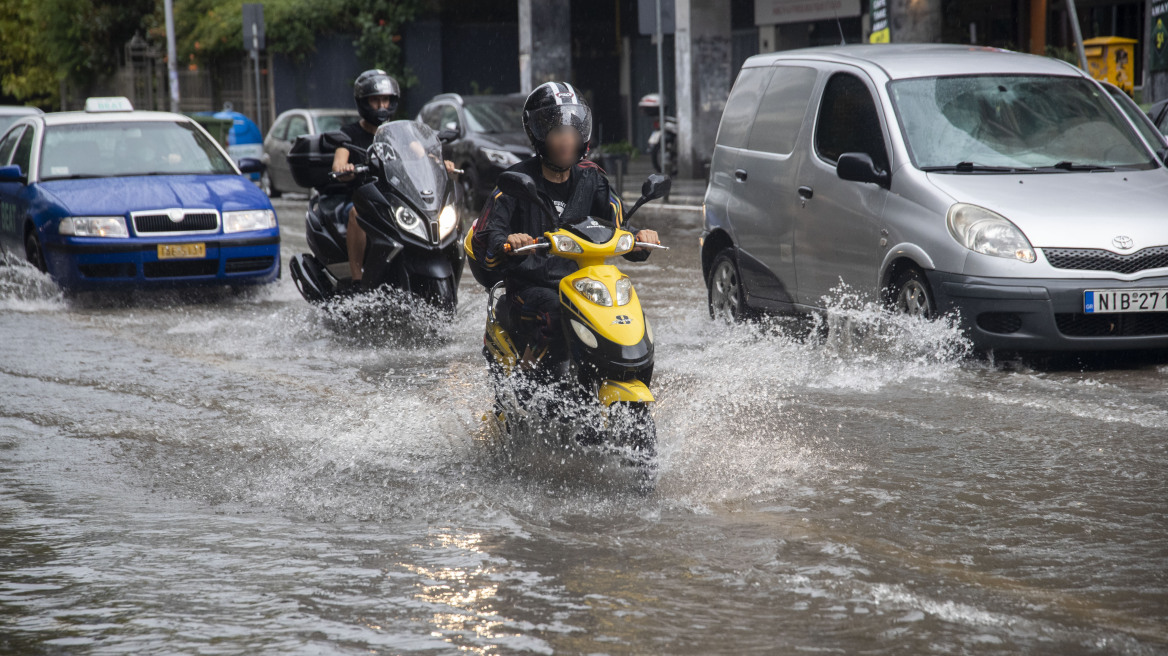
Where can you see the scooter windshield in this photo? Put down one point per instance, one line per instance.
(410, 157)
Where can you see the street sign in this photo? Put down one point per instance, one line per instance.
(1159, 18)
(647, 17)
(881, 29)
(253, 26)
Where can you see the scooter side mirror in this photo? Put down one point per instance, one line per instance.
(656, 186)
(521, 185)
(334, 139)
(446, 136)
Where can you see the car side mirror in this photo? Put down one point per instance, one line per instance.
(522, 186)
(334, 139)
(452, 126)
(251, 165)
(859, 167)
(446, 136)
(12, 173)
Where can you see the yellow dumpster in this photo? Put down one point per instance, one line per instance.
(1112, 59)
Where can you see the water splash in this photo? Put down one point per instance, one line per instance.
(24, 288)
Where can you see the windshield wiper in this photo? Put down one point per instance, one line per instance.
(1071, 166)
(970, 167)
(75, 176)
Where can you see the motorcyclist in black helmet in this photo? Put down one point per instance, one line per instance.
(559, 124)
(376, 95)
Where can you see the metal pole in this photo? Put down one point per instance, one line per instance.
(171, 55)
(255, 52)
(661, 93)
(1077, 33)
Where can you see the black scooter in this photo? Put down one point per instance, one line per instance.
(405, 203)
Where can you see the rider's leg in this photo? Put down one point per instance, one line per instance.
(355, 241)
(540, 307)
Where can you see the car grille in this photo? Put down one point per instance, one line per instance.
(192, 221)
(180, 268)
(1092, 259)
(1112, 325)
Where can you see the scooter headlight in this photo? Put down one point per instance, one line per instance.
(409, 221)
(447, 220)
(594, 290)
(624, 291)
(566, 244)
(624, 244)
(988, 233)
(586, 336)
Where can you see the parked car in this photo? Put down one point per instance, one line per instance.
(1159, 115)
(288, 126)
(10, 114)
(1006, 188)
(490, 138)
(1156, 139)
(111, 197)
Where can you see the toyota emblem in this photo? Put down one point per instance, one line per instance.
(1123, 242)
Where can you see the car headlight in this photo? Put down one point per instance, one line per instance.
(93, 226)
(593, 290)
(566, 244)
(624, 291)
(248, 220)
(584, 334)
(447, 220)
(501, 158)
(988, 233)
(624, 244)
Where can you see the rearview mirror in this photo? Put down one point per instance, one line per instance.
(446, 136)
(859, 167)
(522, 186)
(334, 139)
(251, 165)
(657, 185)
(11, 174)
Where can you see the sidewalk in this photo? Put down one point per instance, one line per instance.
(683, 191)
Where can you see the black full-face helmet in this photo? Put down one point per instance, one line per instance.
(552, 105)
(375, 82)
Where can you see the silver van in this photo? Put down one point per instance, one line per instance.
(1008, 188)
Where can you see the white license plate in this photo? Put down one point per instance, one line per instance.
(1107, 301)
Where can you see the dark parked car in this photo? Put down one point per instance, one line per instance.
(490, 138)
(1159, 115)
(293, 123)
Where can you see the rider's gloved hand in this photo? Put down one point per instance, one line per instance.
(648, 237)
(519, 240)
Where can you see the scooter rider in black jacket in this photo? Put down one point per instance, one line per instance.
(559, 124)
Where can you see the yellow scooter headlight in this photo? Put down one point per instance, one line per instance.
(593, 290)
(586, 336)
(624, 291)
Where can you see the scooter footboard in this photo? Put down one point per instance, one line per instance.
(627, 391)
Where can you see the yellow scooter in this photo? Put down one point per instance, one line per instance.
(610, 341)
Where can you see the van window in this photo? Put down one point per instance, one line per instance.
(781, 111)
(848, 122)
(298, 125)
(278, 130)
(741, 105)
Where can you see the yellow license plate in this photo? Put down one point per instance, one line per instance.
(181, 251)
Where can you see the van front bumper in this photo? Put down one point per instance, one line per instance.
(1023, 314)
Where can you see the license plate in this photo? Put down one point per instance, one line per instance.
(181, 251)
(1127, 300)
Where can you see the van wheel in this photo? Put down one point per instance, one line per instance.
(726, 296)
(910, 294)
(34, 253)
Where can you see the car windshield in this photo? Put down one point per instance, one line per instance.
(100, 150)
(492, 117)
(333, 122)
(1014, 122)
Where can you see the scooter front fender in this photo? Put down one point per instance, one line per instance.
(624, 391)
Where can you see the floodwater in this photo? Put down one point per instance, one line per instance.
(239, 473)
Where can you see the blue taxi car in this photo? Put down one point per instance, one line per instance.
(111, 197)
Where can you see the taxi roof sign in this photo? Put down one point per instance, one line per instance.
(110, 104)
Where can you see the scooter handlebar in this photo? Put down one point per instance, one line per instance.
(357, 170)
(539, 243)
(645, 244)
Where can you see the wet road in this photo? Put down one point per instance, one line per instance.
(240, 474)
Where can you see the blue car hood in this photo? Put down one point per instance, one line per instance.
(117, 196)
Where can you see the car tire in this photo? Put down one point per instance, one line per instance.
(34, 252)
(268, 187)
(726, 297)
(910, 294)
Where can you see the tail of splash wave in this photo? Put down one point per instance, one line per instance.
(24, 288)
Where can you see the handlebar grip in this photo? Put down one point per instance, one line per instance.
(645, 244)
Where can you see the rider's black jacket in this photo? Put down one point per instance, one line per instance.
(589, 195)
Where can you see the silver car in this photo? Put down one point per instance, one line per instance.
(1007, 188)
(277, 177)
